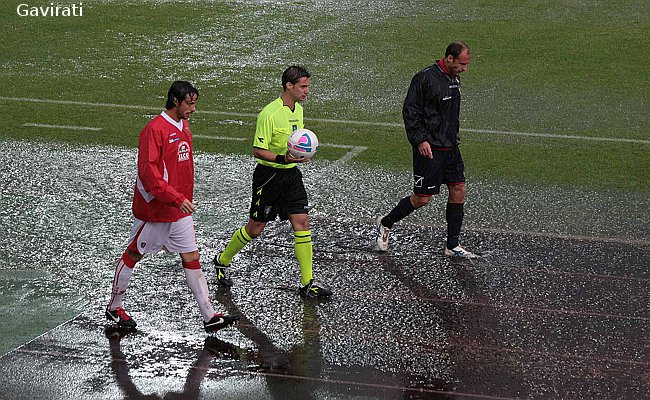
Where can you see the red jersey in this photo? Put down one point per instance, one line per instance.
(165, 170)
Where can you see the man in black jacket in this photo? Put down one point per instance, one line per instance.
(431, 111)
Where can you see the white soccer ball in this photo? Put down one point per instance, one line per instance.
(302, 143)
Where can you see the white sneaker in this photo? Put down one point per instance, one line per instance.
(459, 252)
(381, 236)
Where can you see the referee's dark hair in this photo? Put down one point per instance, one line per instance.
(455, 49)
(177, 93)
(293, 75)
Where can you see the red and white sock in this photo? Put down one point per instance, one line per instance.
(199, 286)
(123, 273)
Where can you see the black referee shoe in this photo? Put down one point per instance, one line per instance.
(312, 291)
(222, 278)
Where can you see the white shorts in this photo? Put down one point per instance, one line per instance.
(175, 237)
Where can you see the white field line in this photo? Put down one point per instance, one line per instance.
(550, 135)
(42, 334)
(334, 121)
(353, 150)
(72, 127)
(236, 139)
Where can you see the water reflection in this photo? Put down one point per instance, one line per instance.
(301, 372)
(212, 348)
(303, 360)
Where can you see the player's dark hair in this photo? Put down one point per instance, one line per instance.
(455, 49)
(293, 75)
(178, 91)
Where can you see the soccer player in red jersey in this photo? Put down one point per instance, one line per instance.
(162, 206)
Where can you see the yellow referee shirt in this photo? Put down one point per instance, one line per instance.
(275, 123)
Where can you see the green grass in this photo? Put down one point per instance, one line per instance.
(550, 67)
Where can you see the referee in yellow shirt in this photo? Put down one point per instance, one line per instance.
(278, 189)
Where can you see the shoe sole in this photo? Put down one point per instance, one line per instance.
(214, 328)
(459, 256)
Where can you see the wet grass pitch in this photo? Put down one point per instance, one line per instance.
(541, 315)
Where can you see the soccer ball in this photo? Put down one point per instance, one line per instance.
(302, 143)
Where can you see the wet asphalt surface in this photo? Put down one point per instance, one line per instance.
(539, 316)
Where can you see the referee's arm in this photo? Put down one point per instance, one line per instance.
(268, 155)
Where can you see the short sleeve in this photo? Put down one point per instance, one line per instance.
(263, 132)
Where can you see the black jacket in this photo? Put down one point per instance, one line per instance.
(432, 107)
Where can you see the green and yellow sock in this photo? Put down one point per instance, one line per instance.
(303, 250)
(239, 239)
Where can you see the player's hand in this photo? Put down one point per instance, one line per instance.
(288, 158)
(187, 207)
(425, 149)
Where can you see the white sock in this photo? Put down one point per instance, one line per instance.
(121, 279)
(199, 286)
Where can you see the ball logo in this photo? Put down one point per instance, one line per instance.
(183, 151)
(304, 143)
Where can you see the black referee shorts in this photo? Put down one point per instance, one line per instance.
(429, 174)
(277, 192)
